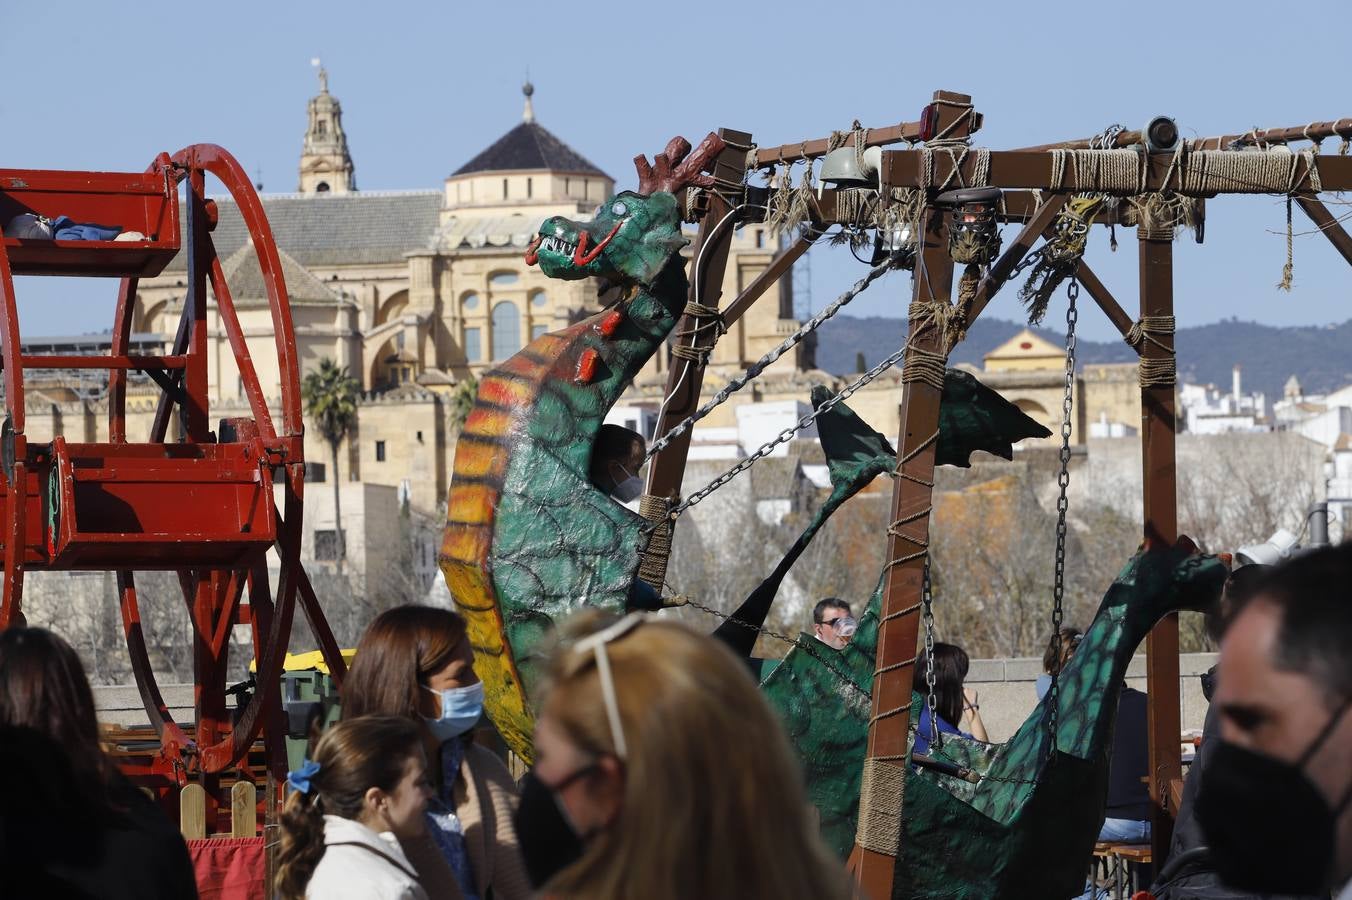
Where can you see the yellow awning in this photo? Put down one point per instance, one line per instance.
(304, 662)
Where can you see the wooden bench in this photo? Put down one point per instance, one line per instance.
(1120, 865)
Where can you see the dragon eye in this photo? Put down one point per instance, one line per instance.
(619, 209)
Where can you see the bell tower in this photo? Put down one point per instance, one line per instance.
(325, 165)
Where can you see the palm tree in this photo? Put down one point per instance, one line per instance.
(462, 401)
(330, 395)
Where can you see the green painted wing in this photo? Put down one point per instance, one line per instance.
(975, 417)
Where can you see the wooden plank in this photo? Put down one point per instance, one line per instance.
(192, 812)
(244, 810)
(1159, 475)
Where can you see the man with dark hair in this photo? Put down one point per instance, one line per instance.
(617, 455)
(1190, 872)
(1274, 798)
(832, 623)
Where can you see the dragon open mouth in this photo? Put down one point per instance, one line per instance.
(578, 252)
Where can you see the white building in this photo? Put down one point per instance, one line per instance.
(1208, 410)
(1339, 472)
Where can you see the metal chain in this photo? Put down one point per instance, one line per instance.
(927, 601)
(783, 437)
(756, 368)
(1062, 503)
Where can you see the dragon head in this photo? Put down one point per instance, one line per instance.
(633, 234)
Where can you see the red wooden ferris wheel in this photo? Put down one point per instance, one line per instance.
(207, 502)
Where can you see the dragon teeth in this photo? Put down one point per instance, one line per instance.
(558, 245)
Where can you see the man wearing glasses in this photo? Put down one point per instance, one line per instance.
(832, 623)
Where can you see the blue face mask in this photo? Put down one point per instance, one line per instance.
(461, 708)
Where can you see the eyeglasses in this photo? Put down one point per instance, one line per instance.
(845, 626)
(596, 643)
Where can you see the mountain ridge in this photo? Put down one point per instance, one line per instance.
(1320, 356)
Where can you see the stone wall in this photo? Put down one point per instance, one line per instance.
(1005, 688)
(1007, 695)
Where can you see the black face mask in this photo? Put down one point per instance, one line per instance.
(1269, 828)
(549, 842)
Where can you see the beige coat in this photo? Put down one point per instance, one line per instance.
(485, 799)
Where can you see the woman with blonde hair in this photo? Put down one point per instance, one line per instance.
(416, 662)
(364, 791)
(662, 774)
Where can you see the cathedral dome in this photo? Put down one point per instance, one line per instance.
(529, 147)
(522, 178)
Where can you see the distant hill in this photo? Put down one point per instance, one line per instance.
(1320, 356)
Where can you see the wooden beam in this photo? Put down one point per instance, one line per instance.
(1015, 169)
(1315, 131)
(1320, 215)
(908, 539)
(778, 266)
(765, 157)
(1104, 298)
(1003, 267)
(1159, 481)
(686, 377)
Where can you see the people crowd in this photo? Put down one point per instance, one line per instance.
(660, 772)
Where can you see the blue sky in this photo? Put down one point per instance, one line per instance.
(425, 86)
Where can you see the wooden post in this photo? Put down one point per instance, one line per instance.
(908, 538)
(1159, 492)
(686, 377)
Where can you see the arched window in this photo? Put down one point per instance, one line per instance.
(538, 299)
(506, 329)
(470, 301)
(322, 187)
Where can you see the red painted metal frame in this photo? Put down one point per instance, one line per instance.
(221, 554)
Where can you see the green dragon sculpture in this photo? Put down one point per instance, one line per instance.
(528, 538)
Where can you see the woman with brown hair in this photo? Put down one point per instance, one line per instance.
(365, 790)
(662, 774)
(416, 662)
(958, 707)
(83, 829)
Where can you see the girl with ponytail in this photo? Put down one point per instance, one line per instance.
(365, 789)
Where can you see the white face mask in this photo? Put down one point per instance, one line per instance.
(461, 708)
(631, 488)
